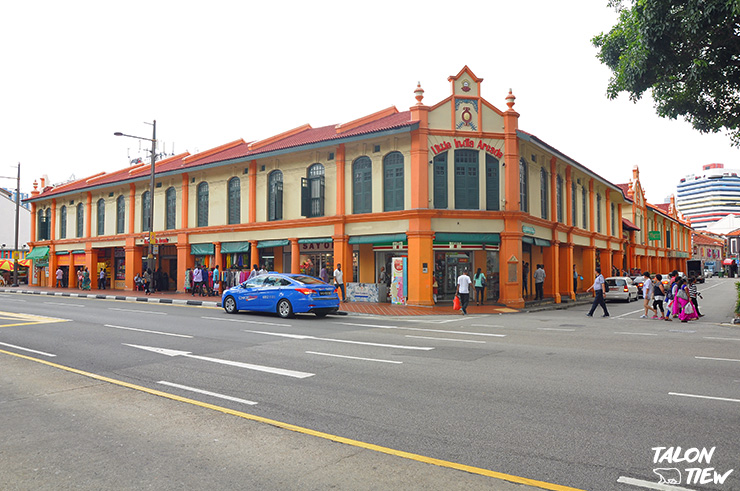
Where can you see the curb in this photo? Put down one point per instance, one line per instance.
(175, 301)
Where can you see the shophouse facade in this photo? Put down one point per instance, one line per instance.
(450, 187)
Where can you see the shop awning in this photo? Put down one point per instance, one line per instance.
(37, 253)
(467, 238)
(627, 225)
(202, 249)
(316, 240)
(541, 242)
(81, 251)
(727, 262)
(377, 239)
(61, 253)
(272, 243)
(234, 247)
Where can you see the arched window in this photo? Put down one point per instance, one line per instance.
(42, 226)
(275, 196)
(393, 182)
(170, 204)
(362, 185)
(312, 192)
(63, 222)
(598, 213)
(101, 216)
(523, 186)
(544, 193)
(559, 198)
(80, 219)
(492, 184)
(613, 220)
(573, 200)
(121, 215)
(146, 210)
(466, 180)
(584, 207)
(234, 190)
(203, 204)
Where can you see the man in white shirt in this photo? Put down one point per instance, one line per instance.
(339, 280)
(463, 291)
(539, 282)
(598, 288)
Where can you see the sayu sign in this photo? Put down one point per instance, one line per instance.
(690, 466)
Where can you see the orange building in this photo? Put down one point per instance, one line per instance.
(447, 187)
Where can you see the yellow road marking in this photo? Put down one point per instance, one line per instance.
(307, 431)
(30, 319)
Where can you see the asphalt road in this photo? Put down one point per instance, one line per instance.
(552, 396)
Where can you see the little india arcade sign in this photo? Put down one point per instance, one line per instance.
(467, 143)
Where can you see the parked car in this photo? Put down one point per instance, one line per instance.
(708, 273)
(621, 288)
(284, 294)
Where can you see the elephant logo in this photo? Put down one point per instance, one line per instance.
(668, 475)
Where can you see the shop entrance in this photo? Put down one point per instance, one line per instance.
(447, 267)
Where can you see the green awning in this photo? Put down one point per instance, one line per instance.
(528, 240)
(377, 239)
(202, 249)
(61, 253)
(38, 253)
(541, 242)
(81, 251)
(317, 240)
(272, 243)
(234, 247)
(467, 238)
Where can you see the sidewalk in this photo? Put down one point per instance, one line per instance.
(366, 308)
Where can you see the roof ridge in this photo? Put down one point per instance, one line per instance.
(267, 141)
(214, 150)
(351, 125)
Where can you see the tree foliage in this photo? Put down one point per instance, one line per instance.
(686, 52)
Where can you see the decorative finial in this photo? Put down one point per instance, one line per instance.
(510, 100)
(419, 94)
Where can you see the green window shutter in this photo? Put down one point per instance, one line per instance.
(145, 211)
(440, 180)
(362, 185)
(101, 217)
(234, 190)
(80, 221)
(63, 223)
(492, 183)
(203, 204)
(121, 215)
(393, 182)
(171, 208)
(466, 180)
(523, 186)
(305, 197)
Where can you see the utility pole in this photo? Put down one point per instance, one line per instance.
(17, 208)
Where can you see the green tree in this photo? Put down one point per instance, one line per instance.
(687, 52)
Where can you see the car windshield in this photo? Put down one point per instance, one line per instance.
(307, 280)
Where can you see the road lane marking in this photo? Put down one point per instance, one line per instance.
(138, 311)
(554, 329)
(208, 393)
(29, 319)
(302, 337)
(703, 397)
(353, 357)
(638, 333)
(65, 304)
(28, 349)
(445, 339)
(723, 339)
(628, 313)
(650, 485)
(307, 431)
(426, 330)
(715, 359)
(147, 330)
(247, 322)
(248, 366)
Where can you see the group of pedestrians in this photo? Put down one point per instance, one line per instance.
(680, 297)
(203, 281)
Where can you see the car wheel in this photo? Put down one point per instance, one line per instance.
(230, 305)
(284, 309)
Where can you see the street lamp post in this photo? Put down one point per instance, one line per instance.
(150, 218)
(17, 207)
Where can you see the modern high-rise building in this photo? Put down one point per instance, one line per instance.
(709, 196)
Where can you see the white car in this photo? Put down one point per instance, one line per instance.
(708, 273)
(621, 288)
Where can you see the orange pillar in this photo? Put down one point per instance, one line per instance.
(552, 270)
(254, 254)
(130, 261)
(589, 266)
(420, 263)
(606, 260)
(510, 264)
(295, 256)
(91, 263)
(566, 272)
(511, 164)
(219, 258)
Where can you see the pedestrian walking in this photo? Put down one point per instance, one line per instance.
(86, 279)
(463, 291)
(60, 278)
(693, 293)
(598, 288)
(262, 270)
(216, 281)
(148, 281)
(575, 279)
(101, 279)
(658, 296)
(339, 281)
(480, 287)
(324, 274)
(647, 295)
(254, 272)
(539, 282)
(197, 281)
(525, 277)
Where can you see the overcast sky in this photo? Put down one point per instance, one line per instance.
(213, 72)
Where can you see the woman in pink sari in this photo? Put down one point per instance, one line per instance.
(686, 310)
